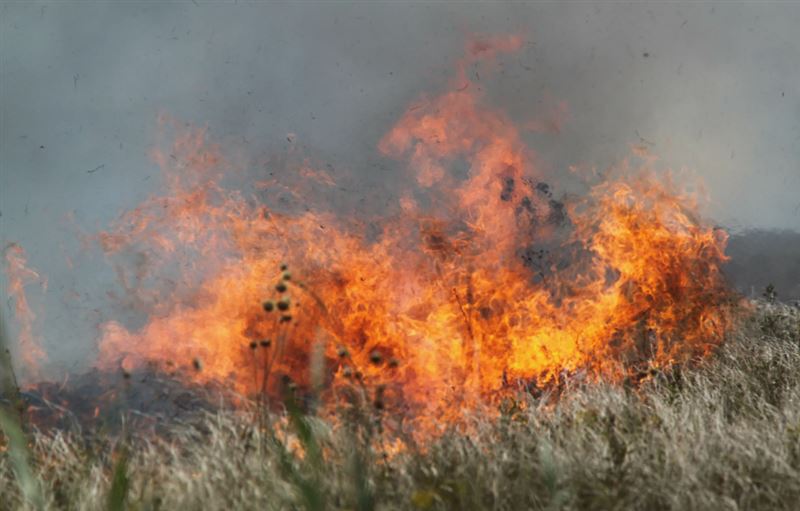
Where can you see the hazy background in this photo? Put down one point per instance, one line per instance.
(714, 87)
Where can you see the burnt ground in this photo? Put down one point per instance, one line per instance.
(146, 399)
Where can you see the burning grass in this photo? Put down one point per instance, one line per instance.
(476, 280)
(722, 436)
(497, 282)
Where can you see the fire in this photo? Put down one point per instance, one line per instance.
(20, 275)
(483, 280)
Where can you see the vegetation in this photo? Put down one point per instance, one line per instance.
(722, 436)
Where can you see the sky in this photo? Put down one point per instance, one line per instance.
(712, 87)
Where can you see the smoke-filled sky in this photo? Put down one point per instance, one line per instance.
(714, 87)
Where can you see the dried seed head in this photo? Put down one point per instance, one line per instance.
(342, 352)
(253, 345)
(286, 276)
(286, 318)
(394, 362)
(283, 304)
(197, 364)
(375, 357)
(269, 306)
(359, 376)
(347, 372)
(280, 287)
(265, 343)
(126, 374)
(284, 267)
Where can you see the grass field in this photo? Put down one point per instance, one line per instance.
(722, 436)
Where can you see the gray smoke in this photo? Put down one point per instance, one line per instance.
(714, 87)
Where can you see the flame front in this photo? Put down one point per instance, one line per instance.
(486, 278)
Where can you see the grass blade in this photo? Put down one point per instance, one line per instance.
(118, 494)
(11, 427)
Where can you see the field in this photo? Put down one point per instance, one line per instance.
(725, 435)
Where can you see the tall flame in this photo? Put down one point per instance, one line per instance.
(485, 278)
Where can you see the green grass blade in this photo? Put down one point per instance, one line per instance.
(11, 427)
(118, 494)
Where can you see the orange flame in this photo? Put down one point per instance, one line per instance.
(485, 278)
(19, 277)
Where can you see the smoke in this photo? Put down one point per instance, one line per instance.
(711, 87)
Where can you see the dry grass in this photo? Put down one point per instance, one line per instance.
(724, 436)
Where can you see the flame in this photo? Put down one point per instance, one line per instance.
(482, 280)
(19, 276)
